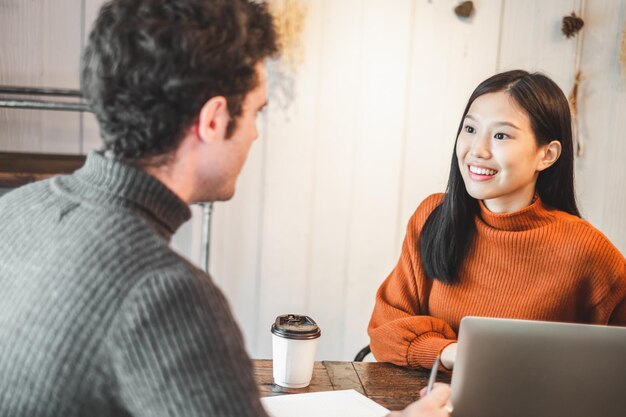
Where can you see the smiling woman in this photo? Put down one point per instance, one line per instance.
(498, 154)
(506, 239)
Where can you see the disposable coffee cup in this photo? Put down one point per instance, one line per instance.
(294, 340)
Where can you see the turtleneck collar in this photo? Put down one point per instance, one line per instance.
(105, 181)
(531, 217)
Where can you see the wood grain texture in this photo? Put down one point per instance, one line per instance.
(343, 376)
(288, 193)
(377, 169)
(235, 243)
(389, 385)
(379, 124)
(321, 380)
(532, 39)
(17, 169)
(340, 60)
(90, 132)
(40, 48)
(443, 74)
(600, 172)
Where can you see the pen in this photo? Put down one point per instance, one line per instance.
(433, 375)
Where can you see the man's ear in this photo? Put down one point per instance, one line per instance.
(213, 119)
(550, 154)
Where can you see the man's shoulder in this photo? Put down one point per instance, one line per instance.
(24, 208)
(16, 196)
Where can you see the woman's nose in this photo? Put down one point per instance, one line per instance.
(481, 147)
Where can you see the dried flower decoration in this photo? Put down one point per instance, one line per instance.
(573, 105)
(289, 17)
(464, 9)
(572, 24)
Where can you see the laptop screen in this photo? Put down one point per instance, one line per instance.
(510, 368)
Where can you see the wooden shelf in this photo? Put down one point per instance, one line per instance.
(17, 169)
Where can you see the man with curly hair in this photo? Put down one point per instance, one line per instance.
(99, 316)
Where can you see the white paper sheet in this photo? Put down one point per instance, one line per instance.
(346, 403)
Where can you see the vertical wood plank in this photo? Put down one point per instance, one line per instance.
(235, 236)
(50, 32)
(443, 74)
(61, 40)
(288, 174)
(90, 131)
(21, 30)
(379, 126)
(600, 172)
(336, 138)
(613, 221)
(532, 39)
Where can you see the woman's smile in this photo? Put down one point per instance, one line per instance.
(478, 173)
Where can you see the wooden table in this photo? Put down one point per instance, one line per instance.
(391, 386)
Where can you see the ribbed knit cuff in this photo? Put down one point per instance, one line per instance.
(424, 349)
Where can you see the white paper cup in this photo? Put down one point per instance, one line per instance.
(294, 340)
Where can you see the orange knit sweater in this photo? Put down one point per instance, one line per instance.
(537, 264)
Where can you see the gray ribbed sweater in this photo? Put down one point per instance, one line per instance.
(99, 317)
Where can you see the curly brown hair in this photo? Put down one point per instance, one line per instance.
(150, 65)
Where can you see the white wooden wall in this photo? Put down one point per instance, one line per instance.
(323, 201)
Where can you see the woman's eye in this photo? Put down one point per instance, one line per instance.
(469, 129)
(501, 136)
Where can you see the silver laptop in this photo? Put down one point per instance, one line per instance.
(511, 368)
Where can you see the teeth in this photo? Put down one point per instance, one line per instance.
(482, 171)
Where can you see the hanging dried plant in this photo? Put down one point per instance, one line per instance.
(572, 24)
(573, 104)
(289, 16)
(464, 9)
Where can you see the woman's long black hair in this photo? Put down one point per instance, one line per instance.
(448, 232)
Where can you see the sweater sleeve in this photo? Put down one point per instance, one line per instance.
(610, 275)
(604, 270)
(175, 350)
(618, 317)
(400, 329)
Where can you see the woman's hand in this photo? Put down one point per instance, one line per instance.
(434, 404)
(448, 356)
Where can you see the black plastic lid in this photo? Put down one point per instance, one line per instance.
(294, 326)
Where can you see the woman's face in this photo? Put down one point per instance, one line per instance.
(498, 154)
